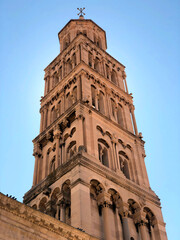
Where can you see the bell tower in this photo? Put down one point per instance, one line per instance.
(89, 157)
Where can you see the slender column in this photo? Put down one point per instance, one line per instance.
(104, 68)
(36, 154)
(115, 114)
(124, 79)
(63, 211)
(123, 210)
(57, 134)
(35, 169)
(152, 233)
(134, 120)
(140, 219)
(44, 118)
(57, 212)
(41, 123)
(142, 228)
(104, 202)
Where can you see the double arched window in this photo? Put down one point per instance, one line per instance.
(103, 151)
(124, 163)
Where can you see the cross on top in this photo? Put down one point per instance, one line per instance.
(81, 13)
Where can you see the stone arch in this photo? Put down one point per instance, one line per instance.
(42, 205)
(95, 188)
(133, 206)
(71, 149)
(73, 130)
(54, 194)
(115, 197)
(34, 206)
(150, 222)
(66, 201)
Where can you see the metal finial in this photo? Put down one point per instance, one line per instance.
(81, 13)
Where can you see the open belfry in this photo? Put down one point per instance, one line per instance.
(89, 157)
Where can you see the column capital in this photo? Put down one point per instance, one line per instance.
(103, 199)
(140, 217)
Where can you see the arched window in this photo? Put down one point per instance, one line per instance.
(101, 102)
(42, 205)
(48, 84)
(96, 64)
(56, 79)
(52, 165)
(99, 42)
(68, 100)
(60, 73)
(69, 65)
(120, 115)
(113, 77)
(113, 106)
(107, 71)
(71, 150)
(74, 59)
(124, 163)
(93, 96)
(90, 58)
(59, 108)
(74, 94)
(103, 151)
(53, 114)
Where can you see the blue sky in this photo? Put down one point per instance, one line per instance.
(143, 35)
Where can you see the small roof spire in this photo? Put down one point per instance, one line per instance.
(81, 13)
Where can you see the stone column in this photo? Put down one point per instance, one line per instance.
(134, 120)
(123, 210)
(45, 117)
(63, 211)
(42, 118)
(57, 212)
(104, 202)
(142, 228)
(124, 79)
(36, 154)
(140, 219)
(57, 134)
(152, 233)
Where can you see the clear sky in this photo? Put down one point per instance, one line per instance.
(142, 35)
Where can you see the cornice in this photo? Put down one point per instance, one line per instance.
(82, 159)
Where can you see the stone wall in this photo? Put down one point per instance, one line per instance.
(18, 221)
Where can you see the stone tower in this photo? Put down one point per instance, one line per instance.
(89, 157)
